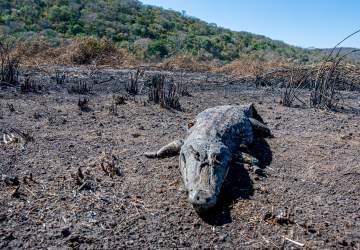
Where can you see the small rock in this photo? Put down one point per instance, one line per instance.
(3, 217)
(222, 237)
(283, 218)
(18, 194)
(10, 237)
(65, 232)
(196, 225)
(88, 185)
(263, 190)
(343, 243)
(267, 216)
(311, 230)
(136, 135)
(10, 180)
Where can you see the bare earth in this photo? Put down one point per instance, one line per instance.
(309, 192)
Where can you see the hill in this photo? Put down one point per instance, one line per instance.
(352, 54)
(148, 32)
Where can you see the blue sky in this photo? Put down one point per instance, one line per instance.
(305, 23)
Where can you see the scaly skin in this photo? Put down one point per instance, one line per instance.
(211, 144)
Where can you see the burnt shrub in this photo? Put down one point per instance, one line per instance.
(79, 87)
(29, 86)
(132, 87)
(167, 94)
(9, 65)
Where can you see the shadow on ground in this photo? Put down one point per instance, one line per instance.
(238, 185)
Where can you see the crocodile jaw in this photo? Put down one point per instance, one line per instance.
(204, 168)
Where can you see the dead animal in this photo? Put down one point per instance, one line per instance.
(214, 140)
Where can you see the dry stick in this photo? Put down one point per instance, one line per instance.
(330, 73)
(295, 242)
(332, 51)
(352, 34)
(329, 56)
(294, 94)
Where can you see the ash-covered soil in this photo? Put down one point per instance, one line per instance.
(81, 181)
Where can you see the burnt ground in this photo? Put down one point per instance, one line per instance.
(82, 181)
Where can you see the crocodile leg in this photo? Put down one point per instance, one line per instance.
(244, 158)
(171, 149)
(247, 159)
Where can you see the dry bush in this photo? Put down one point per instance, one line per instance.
(37, 51)
(325, 92)
(156, 92)
(326, 87)
(120, 58)
(167, 94)
(172, 97)
(116, 101)
(9, 65)
(292, 86)
(250, 66)
(34, 47)
(325, 81)
(29, 86)
(79, 87)
(107, 162)
(103, 52)
(183, 62)
(132, 87)
(83, 104)
(59, 77)
(87, 49)
(183, 90)
(78, 51)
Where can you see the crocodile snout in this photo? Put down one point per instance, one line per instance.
(201, 199)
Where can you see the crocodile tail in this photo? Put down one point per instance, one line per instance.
(258, 123)
(255, 114)
(150, 154)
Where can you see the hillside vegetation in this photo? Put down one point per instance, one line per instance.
(149, 33)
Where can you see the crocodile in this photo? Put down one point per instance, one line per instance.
(216, 138)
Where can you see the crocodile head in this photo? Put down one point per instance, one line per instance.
(204, 166)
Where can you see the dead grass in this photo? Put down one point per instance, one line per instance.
(29, 85)
(250, 66)
(103, 53)
(84, 51)
(37, 51)
(132, 87)
(164, 92)
(184, 62)
(80, 51)
(9, 65)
